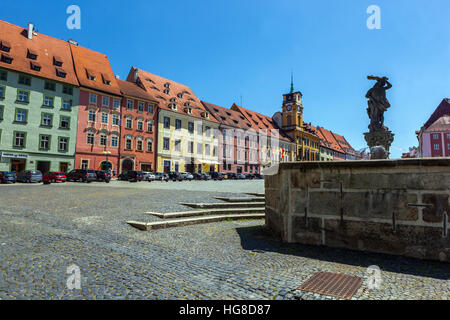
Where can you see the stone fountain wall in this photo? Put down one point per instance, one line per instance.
(398, 207)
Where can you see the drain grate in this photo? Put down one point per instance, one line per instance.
(332, 284)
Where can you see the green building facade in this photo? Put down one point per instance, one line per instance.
(38, 123)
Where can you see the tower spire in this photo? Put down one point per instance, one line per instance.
(292, 82)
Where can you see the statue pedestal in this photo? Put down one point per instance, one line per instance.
(379, 142)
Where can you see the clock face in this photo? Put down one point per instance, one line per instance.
(289, 108)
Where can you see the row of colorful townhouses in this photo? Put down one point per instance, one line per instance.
(63, 108)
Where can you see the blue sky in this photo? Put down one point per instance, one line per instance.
(227, 49)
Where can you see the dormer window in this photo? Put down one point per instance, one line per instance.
(90, 75)
(32, 54)
(173, 106)
(6, 58)
(173, 100)
(188, 110)
(167, 85)
(187, 104)
(61, 73)
(167, 91)
(57, 61)
(106, 80)
(180, 95)
(35, 66)
(5, 46)
(205, 114)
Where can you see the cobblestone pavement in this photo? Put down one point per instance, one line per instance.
(45, 229)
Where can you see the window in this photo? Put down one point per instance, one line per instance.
(116, 103)
(149, 145)
(178, 124)
(140, 125)
(435, 136)
(166, 122)
(199, 148)
(93, 98)
(166, 144)
(139, 145)
(90, 75)
(149, 126)
(67, 104)
(91, 115)
(436, 146)
(23, 96)
(25, 80)
(115, 119)
(129, 105)
(114, 141)
(90, 138)
(448, 135)
(105, 101)
(191, 127)
(105, 117)
(140, 106)
(44, 143)
(50, 86)
(199, 129)
(448, 146)
(60, 73)
(3, 75)
(1, 112)
(208, 131)
(57, 61)
(35, 66)
(19, 139)
(63, 144)
(2, 92)
(207, 150)
(68, 90)
(128, 143)
(214, 151)
(48, 101)
(129, 123)
(150, 108)
(46, 120)
(65, 123)
(103, 139)
(21, 115)
(84, 164)
(177, 145)
(190, 147)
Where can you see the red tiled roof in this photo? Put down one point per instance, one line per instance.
(45, 47)
(228, 117)
(330, 139)
(261, 122)
(183, 96)
(440, 125)
(97, 65)
(131, 89)
(442, 110)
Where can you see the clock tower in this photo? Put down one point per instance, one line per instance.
(292, 114)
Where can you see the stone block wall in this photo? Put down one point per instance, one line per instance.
(399, 207)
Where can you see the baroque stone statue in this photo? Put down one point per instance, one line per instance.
(379, 138)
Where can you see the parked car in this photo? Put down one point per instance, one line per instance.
(132, 176)
(217, 176)
(175, 176)
(197, 176)
(150, 176)
(231, 175)
(82, 175)
(259, 176)
(206, 176)
(7, 177)
(159, 176)
(187, 176)
(103, 176)
(30, 176)
(53, 176)
(240, 176)
(249, 176)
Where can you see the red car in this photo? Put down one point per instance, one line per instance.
(52, 177)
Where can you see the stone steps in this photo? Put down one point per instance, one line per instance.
(241, 199)
(224, 205)
(146, 226)
(196, 213)
(257, 194)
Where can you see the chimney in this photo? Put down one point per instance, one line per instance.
(30, 31)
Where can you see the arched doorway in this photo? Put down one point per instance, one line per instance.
(127, 165)
(106, 166)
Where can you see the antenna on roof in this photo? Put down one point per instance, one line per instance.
(71, 41)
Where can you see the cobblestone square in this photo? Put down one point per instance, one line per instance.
(45, 229)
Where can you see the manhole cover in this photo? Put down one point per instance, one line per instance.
(332, 284)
